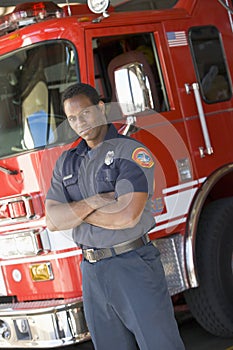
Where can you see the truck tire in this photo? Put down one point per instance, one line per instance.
(212, 302)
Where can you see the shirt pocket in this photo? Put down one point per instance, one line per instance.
(72, 187)
(106, 180)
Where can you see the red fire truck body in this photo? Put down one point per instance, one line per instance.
(165, 74)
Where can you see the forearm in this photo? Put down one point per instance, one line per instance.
(121, 214)
(113, 221)
(63, 216)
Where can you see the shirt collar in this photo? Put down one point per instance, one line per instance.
(83, 148)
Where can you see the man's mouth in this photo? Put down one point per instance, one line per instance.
(84, 131)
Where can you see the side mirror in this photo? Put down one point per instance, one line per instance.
(133, 91)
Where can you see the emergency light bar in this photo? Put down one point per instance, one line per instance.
(29, 13)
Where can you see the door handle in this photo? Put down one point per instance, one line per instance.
(208, 147)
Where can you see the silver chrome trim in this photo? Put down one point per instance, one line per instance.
(11, 245)
(172, 257)
(30, 213)
(42, 324)
(195, 211)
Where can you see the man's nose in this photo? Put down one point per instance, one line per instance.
(79, 120)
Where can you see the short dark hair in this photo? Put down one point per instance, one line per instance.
(81, 89)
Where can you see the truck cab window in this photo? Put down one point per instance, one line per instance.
(210, 64)
(139, 5)
(32, 80)
(127, 71)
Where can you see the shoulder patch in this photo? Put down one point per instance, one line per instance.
(142, 157)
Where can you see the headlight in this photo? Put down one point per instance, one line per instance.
(17, 244)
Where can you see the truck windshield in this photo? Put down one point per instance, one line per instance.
(31, 83)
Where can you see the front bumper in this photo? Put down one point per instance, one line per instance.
(42, 324)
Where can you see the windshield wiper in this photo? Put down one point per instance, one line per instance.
(8, 171)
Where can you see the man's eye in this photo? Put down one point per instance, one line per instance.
(85, 112)
(71, 119)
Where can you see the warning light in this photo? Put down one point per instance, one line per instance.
(29, 13)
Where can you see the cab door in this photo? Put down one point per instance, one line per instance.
(178, 88)
(131, 68)
(211, 127)
(202, 71)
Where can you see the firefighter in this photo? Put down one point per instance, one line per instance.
(102, 190)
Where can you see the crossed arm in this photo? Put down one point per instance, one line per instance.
(101, 210)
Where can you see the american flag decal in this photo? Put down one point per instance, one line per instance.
(176, 39)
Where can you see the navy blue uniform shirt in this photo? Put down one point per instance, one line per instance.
(119, 164)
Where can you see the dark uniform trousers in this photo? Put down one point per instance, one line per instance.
(127, 304)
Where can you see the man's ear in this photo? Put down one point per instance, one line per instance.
(101, 105)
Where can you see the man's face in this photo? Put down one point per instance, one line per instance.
(85, 119)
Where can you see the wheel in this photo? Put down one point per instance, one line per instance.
(212, 302)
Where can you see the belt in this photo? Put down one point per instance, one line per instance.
(96, 254)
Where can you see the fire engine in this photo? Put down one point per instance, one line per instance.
(164, 70)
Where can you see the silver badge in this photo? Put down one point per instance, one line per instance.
(109, 158)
